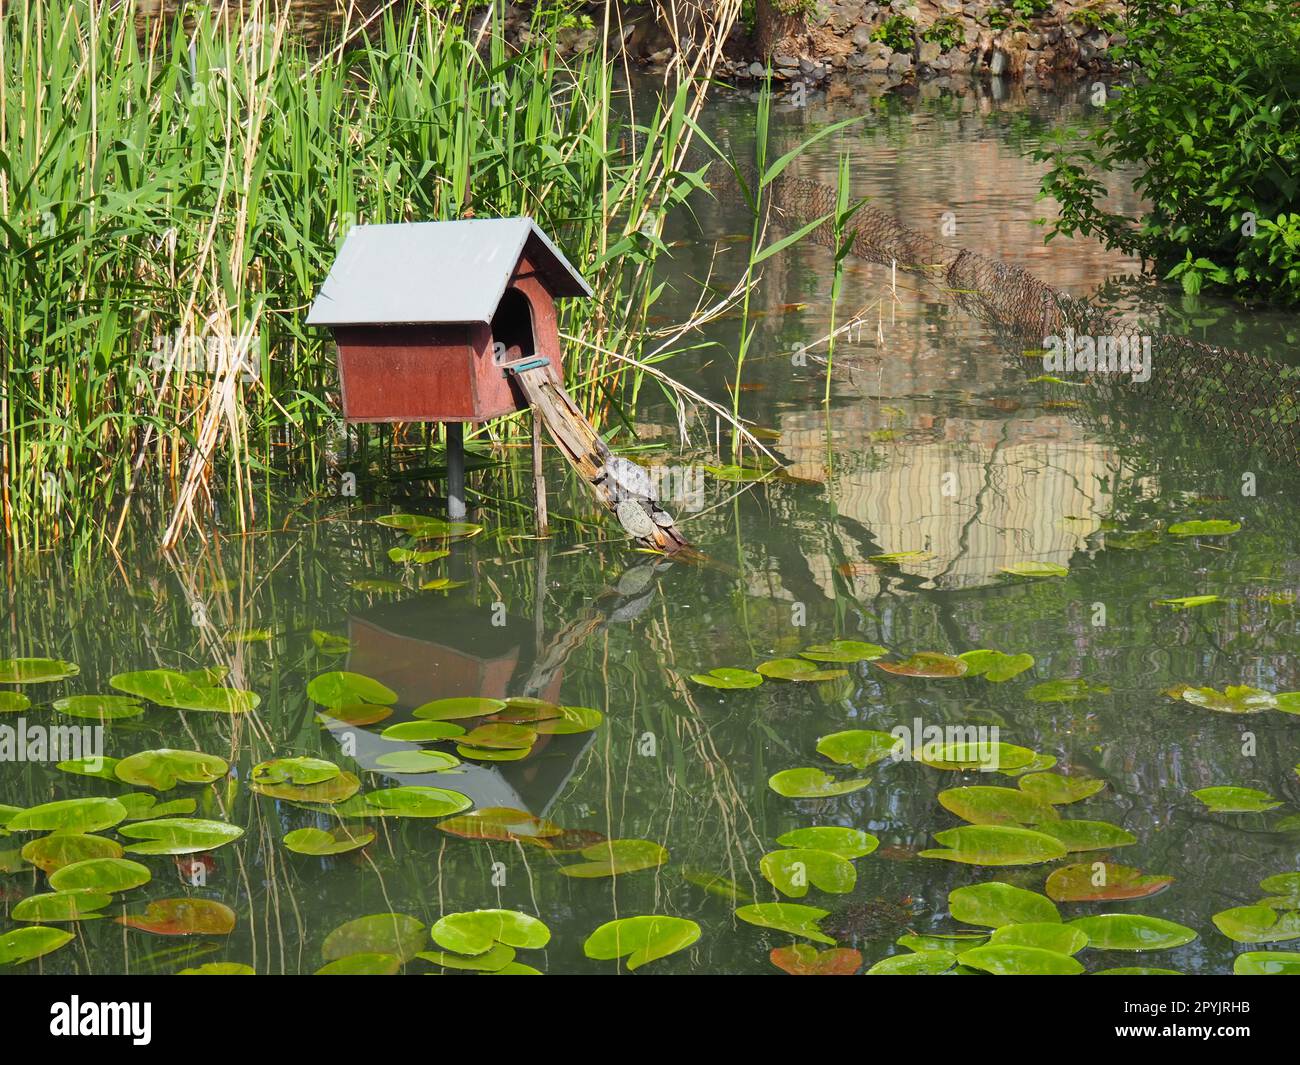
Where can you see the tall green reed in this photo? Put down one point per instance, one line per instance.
(184, 190)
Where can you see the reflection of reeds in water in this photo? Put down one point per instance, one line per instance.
(185, 189)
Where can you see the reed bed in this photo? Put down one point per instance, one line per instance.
(172, 196)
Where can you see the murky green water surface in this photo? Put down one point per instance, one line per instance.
(935, 442)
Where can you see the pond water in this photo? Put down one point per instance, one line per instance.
(935, 443)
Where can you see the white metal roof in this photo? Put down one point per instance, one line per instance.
(421, 272)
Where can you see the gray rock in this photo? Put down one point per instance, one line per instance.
(878, 65)
(807, 66)
(928, 52)
(757, 70)
(861, 37)
(901, 63)
(787, 61)
(998, 64)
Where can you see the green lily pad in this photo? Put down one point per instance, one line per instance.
(452, 709)
(14, 702)
(797, 669)
(410, 800)
(846, 842)
(844, 651)
(403, 762)
(1057, 789)
(409, 554)
(982, 805)
(49, 853)
(425, 527)
(1234, 699)
(164, 768)
(100, 874)
(1087, 835)
(858, 748)
(994, 904)
(1035, 569)
(26, 944)
(1132, 931)
(1053, 936)
(337, 789)
(1102, 882)
(330, 644)
(69, 815)
(492, 960)
(1066, 691)
(379, 933)
(974, 754)
(1287, 702)
(143, 807)
(569, 721)
(98, 767)
(374, 963)
(179, 835)
(474, 932)
(36, 670)
(1020, 961)
(995, 845)
(318, 843)
(180, 691)
(1230, 800)
(423, 731)
(1267, 963)
(641, 939)
(494, 754)
(800, 959)
(810, 783)
(100, 707)
(1258, 924)
(927, 664)
(995, 666)
(928, 963)
(736, 473)
(182, 917)
(502, 824)
(789, 917)
(1287, 885)
(728, 678)
(59, 906)
(791, 871)
(500, 735)
(340, 688)
(299, 771)
(1215, 527)
(949, 942)
(220, 968)
(616, 856)
(1186, 602)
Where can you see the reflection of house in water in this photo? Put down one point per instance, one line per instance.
(426, 649)
(976, 493)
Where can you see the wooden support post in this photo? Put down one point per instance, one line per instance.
(455, 471)
(539, 477)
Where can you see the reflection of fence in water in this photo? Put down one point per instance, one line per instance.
(1254, 398)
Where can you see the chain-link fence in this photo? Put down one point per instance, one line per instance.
(1253, 398)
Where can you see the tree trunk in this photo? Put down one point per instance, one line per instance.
(772, 25)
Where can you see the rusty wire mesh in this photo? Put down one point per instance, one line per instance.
(1253, 398)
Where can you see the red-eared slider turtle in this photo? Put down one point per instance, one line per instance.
(626, 479)
(634, 518)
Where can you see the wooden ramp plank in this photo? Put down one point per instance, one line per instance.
(643, 518)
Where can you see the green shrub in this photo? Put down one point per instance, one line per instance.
(1212, 123)
(896, 31)
(947, 33)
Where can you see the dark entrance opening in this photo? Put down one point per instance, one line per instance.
(512, 328)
